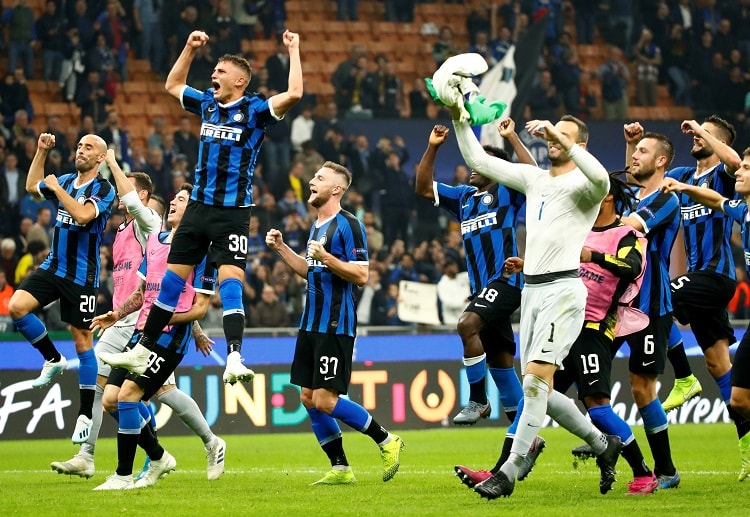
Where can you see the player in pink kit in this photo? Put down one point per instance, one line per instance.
(171, 348)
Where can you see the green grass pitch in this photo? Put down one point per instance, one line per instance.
(270, 475)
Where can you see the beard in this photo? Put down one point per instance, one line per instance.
(319, 199)
(559, 159)
(703, 152)
(643, 174)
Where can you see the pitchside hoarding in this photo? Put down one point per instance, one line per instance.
(405, 381)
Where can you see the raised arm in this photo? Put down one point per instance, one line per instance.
(705, 196)
(177, 77)
(145, 218)
(45, 142)
(513, 175)
(507, 130)
(426, 167)
(275, 241)
(283, 102)
(633, 133)
(728, 156)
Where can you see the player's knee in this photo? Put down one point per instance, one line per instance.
(467, 326)
(109, 401)
(17, 309)
(740, 402)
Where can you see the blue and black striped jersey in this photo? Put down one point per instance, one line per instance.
(74, 254)
(329, 304)
(707, 232)
(660, 215)
(737, 210)
(230, 139)
(488, 228)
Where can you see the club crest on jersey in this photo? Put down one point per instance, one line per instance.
(238, 117)
(487, 199)
(81, 199)
(704, 184)
(323, 240)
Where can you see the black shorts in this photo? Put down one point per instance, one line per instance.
(588, 365)
(77, 302)
(322, 361)
(221, 230)
(118, 375)
(700, 299)
(741, 363)
(161, 364)
(495, 304)
(648, 348)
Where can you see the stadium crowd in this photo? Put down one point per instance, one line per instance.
(700, 50)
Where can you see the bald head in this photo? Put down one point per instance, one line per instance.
(90, 153)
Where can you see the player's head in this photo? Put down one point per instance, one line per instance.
(720, 129)
(90, 153)
(742, 175)
(230, 77)
(479, 181)
(330, 181)
(653, 154)
(157, 204)
(143, 186)
(575, 129)
(178, 204)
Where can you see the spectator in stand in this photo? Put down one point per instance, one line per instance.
(116, 137)
(113, 25)
(302, 128)
(12, 190)
(227, 39)
(50, 31)
(157, 135)
(396, 199)
(677, 58)
(310, 158)
(14, 96)
(739, 13)
(245, 13)
(419, 99)
(724, 40)
(102, 59)
(161, 174)
(187, 22)
(35, 254)
(588, 99)
(444, 47)
(328, 119)
(347, 9)
(8, 259)
(399, 10)
(289, 203)
(83, 22)
(621, 22)
(453, 292)
(341, 79)
(544, 99)
(148, 28)
(730, 104)
(22, 244)
(335, 147)
(481, 46)
(567, 76)
(405, 270)
(277, 150)
(72, 67)
(461, 175)
(277, 65)
(374, 235)
(19, 23)
(389, 91)
(614, 77)
(269, 311)
(364, 296)
(500, 44)
(40, 230)
(6, 291)
(20, 130)
(186, 140)
(585, 20)
(92, 98)
(385, 307)
(479, 20)
(273, 18)
(648, 59)
(706, 16)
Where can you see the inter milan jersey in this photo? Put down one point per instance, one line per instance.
(329, 306)
(660, 215)
(737, 210)
(74, 254)
(152, 269)
(230, 138)
(707, 232)
(488, 228)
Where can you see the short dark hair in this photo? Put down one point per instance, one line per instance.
(583, 129)
(142, 182)
(665, 145)
(239, 61)
(496, 152)
(339, 169)
(727, 129)
(187, 187)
